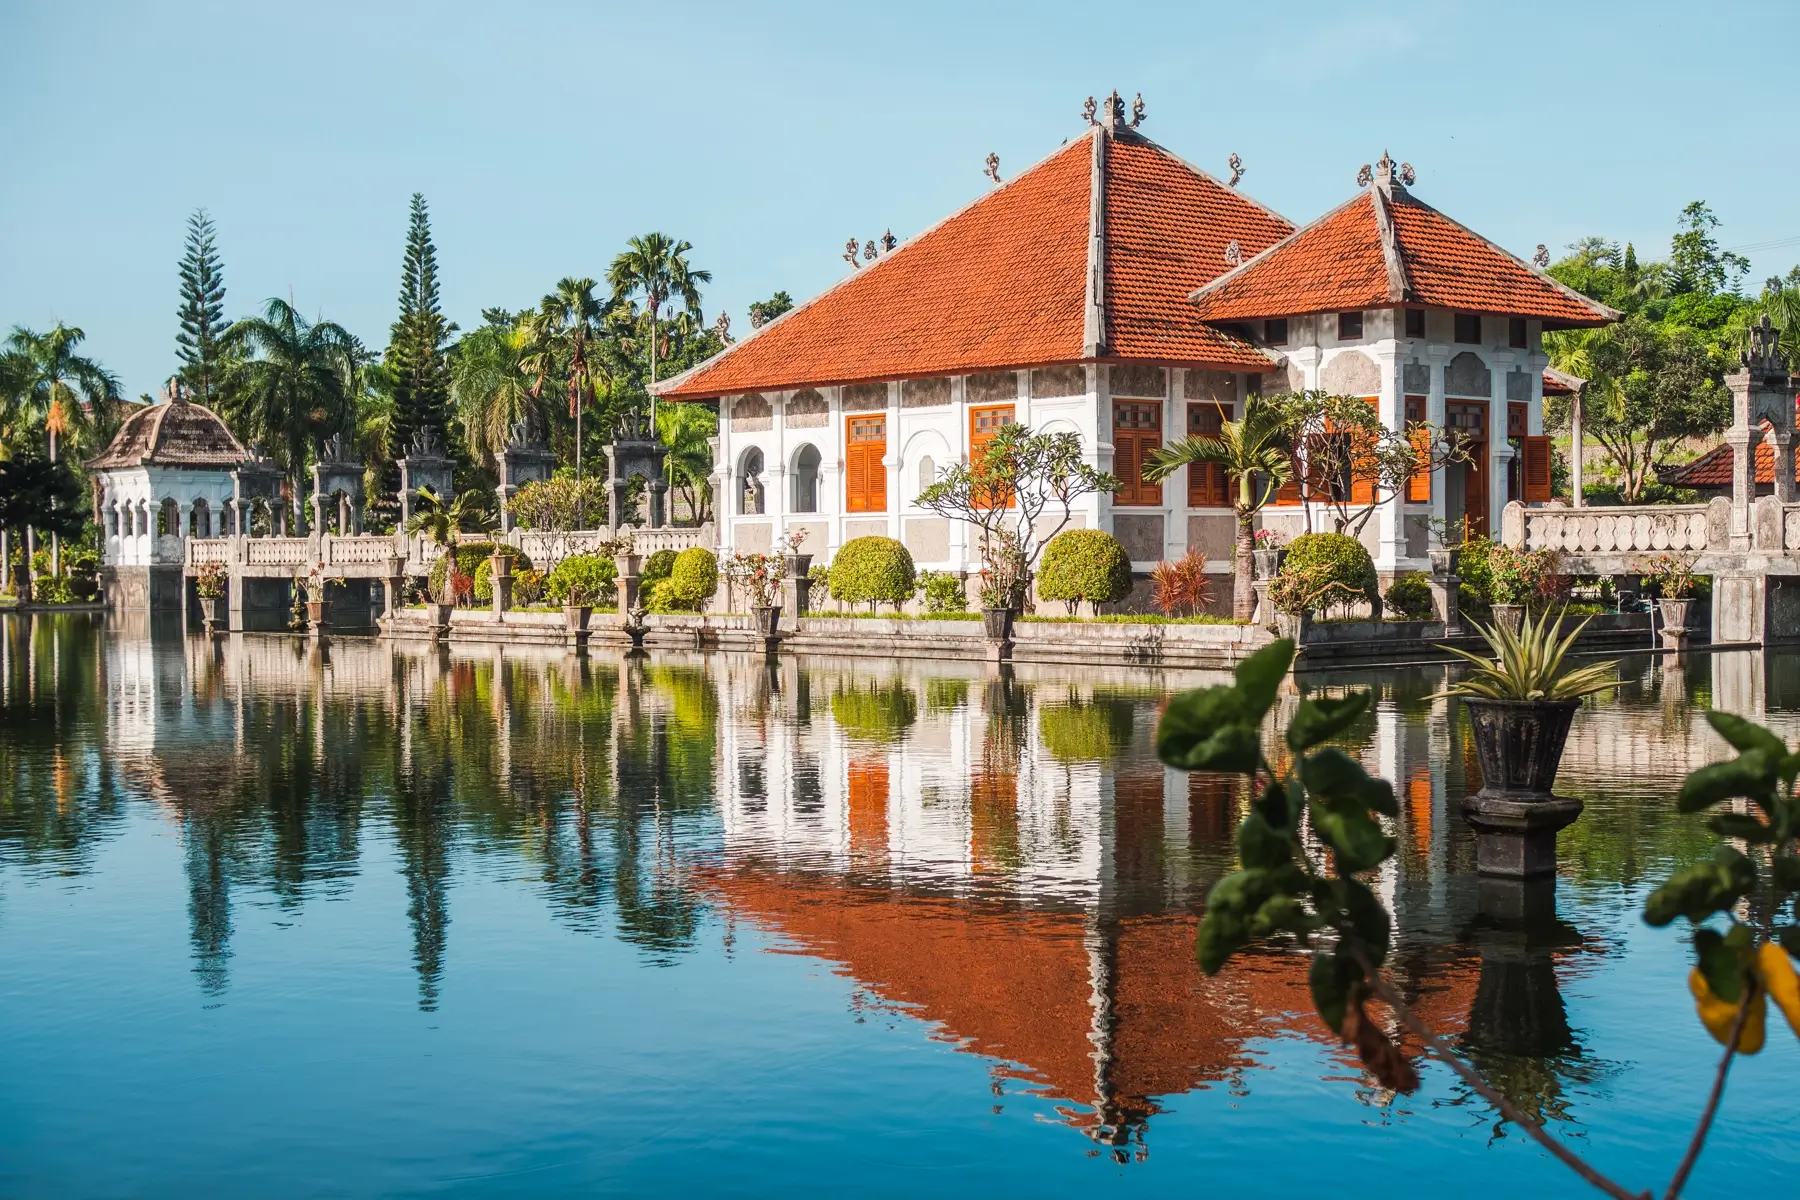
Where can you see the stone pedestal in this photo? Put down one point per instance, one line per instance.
(1515, 815)
(627, 583)
(1516, 838)
(1446, 586)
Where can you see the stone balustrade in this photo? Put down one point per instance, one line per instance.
(1646, 529)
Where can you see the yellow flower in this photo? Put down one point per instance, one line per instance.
(1718, 1015)
(1780, 981)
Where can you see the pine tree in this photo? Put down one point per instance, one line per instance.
(202, 311)
(417, 363)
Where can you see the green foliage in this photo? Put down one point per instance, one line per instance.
(290, 382)
(693, 578)
(40, 494)
(484, 574)
(417, 362)
(1528, 664)
(1085, 564)
(1497, 574)
(942, 592)
(658, 566)
(470, 558)
(872, 570)
(764, 311)
(1098, 731)
(1410, 596)
(199, 345)
(881, 713)
(1322, 571)
(582, 579)
(560, 504)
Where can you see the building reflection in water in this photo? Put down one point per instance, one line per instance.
(996, 853)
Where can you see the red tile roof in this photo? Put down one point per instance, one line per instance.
(1004, 282)
(1713, 469)
(1387, 247)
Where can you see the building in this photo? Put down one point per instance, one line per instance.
(1118, 292)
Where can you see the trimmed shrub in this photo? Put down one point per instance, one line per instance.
(1084, 564)
(469, 557)
(878, 713)
(484, 577)
(1410, 596)
(593, 574)
(871, 570)
(942, 592)
(1336, 563)
(693, 578)
(658, 566)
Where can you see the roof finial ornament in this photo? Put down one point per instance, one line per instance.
(1407, 176)
(1237, 168)
(1764, 355)
(1115, 111)
(869, 251)
(1088, 110)
(1234, 254)
(722, 328)
(1137, 111)
(1541, 259)
(993, 167)
(1365, 177)
(889, 241)
(850, 254)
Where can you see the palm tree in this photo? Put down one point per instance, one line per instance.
(655, 266)
(572, 315)
(440, 523)
(295, 384)
(63, 388)
(684, 429)
(1255, 452)
(490, 386)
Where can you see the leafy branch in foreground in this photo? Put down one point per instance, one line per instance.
(1316, 825)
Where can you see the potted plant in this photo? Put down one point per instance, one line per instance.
(1521, 702)
(578, 604)
(1446, 556)
(211, 586)
(1003, 584)
(1515, 576)
(1270, 552)
(761, 576)
(1296, 593)
(1673, 577)
(316, 605)
(622, 546)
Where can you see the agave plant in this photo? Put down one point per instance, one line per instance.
(1528, 664)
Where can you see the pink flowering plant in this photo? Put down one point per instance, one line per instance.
(761, 575)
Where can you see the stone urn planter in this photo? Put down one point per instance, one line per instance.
(1675, 613)
(1508, 616)
(576, 616)
(1445, 564)
(1266, 564)
(1519, 744)
(629, 564)
(439, 615)
(768, 618)
(316, 612)
(997, 624)
(209, 613)
(1297, 626)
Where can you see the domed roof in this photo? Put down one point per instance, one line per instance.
(172, 434)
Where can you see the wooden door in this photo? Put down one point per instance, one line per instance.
(1471, 418)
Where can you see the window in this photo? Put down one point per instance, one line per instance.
(1418, 488)
(1415, 322)
(1275, 332)
(1349, 326)
(1515, 333)
(865, 475)
(927, 472)
(1137, 431)
(984, 423)
(1468, 329)
(806, 479)
(1518, 418)
(750, 484)
(1207, 485)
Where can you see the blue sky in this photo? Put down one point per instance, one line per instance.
(543, 135)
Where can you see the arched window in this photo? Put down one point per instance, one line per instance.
(927, 472)
(200, 520)
(806, 479)
(168, 518)
(750, 483)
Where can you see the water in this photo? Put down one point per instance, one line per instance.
(385, 921)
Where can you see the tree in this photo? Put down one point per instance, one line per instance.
(557, 507)
(686, 429)
(1648, 386)
(655, 267)
(1255, 452)
(417, 361)
(1004, 490)
(202, 312)
(764, 311)
(1696, 263)
(490, 388)
(569, 318)
(440, 523)
(293, 384)
(39, 494)
(68, 391)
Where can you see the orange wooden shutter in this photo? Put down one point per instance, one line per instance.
(1137, 430)
(1362, 481)
(868, 805)
(1207, 484)
(865, 476)
(984, 423)
(1537, 469)
(1418, 488)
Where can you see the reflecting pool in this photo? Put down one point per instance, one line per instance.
(370, 919)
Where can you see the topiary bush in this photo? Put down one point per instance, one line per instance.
(658, 566)
(484, 579)
(942, 592)
(872, 570)
(1410, 596)
(693, 578)
(589, 577)
(1337, 562)
(1084, 564)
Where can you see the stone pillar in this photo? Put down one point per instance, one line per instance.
(1390, 519)
(392, 585)
(627, 583)
(1742, 440)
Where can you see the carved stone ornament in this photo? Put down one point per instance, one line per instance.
(1088, 110)
(888, 241)
(1137, 111)
(993, 167)
(1764, 354)
(1541, 259)
(850, 253)
(1366, 176)
(1234, 255)
(1237, 168)
(1407, 176)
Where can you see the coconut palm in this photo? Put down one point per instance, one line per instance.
(294, 384)
(1255, 452)
(685, 430)
(655, 267)
(440, 523)
(66, 390)
(569, 320)
(490, 387)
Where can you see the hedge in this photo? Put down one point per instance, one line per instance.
(658, 566)
(595, 573)
(693, 578)
(1334, 558)
(1084, 564)
(1410, 596)
(472, 557)
(872, 570)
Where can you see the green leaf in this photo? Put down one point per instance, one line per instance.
(1209, 730)
(1259, 676)
(1368, 916)
(1741, 825)
(1259, 845)
(1751, 774)
(1274, 807)
(1336, 776)
(1221, 935)
(1329, 979)
(1746, 736)
(1321, 719)
(1348, 829)
(1722, 964)
(1699, 891)
(1281, 914)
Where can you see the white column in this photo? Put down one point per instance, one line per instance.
(777, 502)
(831, 472)
(1390, 406)
(890, 459)
(1500, 451)
(1436, 412)
(1175, 493)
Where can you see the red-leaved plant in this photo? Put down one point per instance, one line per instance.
(1182, 587)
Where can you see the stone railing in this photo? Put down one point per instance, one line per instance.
(204, 551)
(277, 552)
(368, 550)
(1642, 528)
(547, 548)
